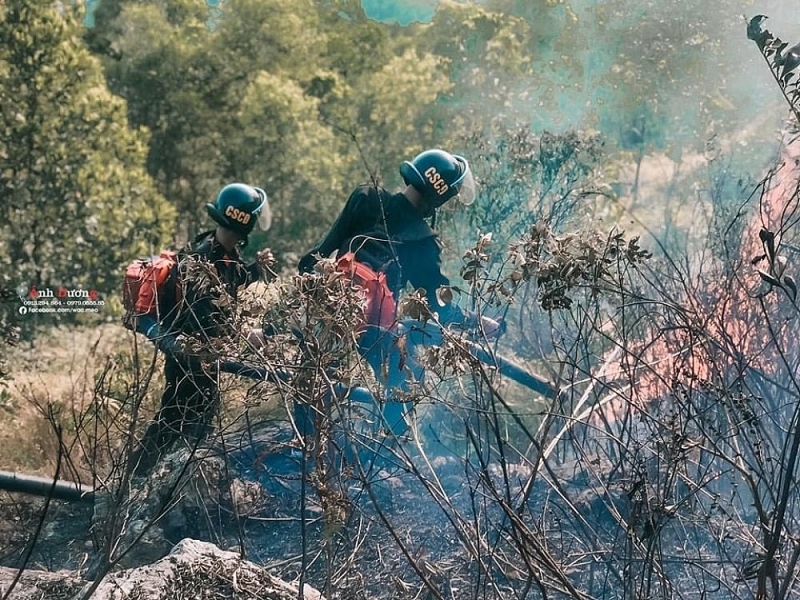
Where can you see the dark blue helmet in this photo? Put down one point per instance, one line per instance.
(439, 176)
(239, 207)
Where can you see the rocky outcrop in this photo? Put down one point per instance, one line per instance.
(193, 569)
(38, 585)
(197, 569)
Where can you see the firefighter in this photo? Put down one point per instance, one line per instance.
(200, 308)
(390, 235)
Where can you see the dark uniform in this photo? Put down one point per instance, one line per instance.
(190, 400)
(386, 232)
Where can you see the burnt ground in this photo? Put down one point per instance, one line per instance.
(373, 532)
(394, 530)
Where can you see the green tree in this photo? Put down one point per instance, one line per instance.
(485, 56)
(154, 57)
(497, 43)
(277, 93)
(267, 58)
(225, 103)
(317, 113)
(282, 144)
(77, 202)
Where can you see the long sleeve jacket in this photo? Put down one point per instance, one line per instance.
(386, 232)
(208, 278)
(206, 310)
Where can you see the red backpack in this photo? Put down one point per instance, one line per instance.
(380, 306)
(150, 287)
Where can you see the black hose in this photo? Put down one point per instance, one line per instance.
(45, 486)
(251, 372)
(418, 333)
(431, 334)
(514, 371)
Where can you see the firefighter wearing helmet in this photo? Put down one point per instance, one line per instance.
(194, 309)
(439, 176)
(239, 207)
(388, 234)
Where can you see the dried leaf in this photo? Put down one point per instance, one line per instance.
(444, 295)
(791, 287)
(769, 278)
(755, 33)
(768, 240)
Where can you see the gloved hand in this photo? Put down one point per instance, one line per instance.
(266, 261)
(492, 328)
(306, 264)
(168, 344)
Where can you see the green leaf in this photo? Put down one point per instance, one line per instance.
(768, 240)
(755, 33)
(95, 202)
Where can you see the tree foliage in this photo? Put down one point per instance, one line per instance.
(77, 202)
(274, 93)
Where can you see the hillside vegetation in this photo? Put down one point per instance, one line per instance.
(635, 229)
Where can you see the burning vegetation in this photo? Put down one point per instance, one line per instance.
(635, 433)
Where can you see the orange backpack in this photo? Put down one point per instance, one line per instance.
(380, 305)
(150, 287)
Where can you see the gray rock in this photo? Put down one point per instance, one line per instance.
(193, 569)
(37, 585)
(201, 570)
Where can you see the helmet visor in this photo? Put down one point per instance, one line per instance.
(263, 212)
(466, 188)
